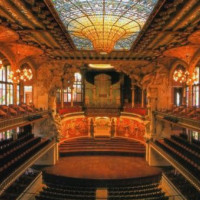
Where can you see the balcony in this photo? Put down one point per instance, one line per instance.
(47, 145)
(177, 165)
(178, 120)
(23, 120)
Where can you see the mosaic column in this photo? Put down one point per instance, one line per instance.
(190, 95)
(21, 91)
(62, 98)
(72, 96)
(133, 95)
(142, 103)
(14, 93)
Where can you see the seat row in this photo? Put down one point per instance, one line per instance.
(4, 149)
(135, 187)
(185, 158)
(70, 109)
(15, 110)
(61, 188)
(142, 191)
(184, 111)
(14, 158)
(146, 195)
(184, 186)
(19, 186)
(192, 146)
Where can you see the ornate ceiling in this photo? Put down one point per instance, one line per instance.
(91, 21)
(35, 23)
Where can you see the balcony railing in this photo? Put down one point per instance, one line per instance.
(178, 120)
(10, 123)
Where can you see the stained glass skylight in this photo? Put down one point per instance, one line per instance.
(104, 25)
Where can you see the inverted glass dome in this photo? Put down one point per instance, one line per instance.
(104, 25)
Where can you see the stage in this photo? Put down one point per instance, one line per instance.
(102, 167)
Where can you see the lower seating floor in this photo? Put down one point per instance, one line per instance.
(102, 167)
(80, 177)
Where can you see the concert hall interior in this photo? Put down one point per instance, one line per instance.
(99, 100)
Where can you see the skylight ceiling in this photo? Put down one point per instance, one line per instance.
(107, 24)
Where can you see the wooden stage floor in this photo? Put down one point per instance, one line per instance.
(102, 167)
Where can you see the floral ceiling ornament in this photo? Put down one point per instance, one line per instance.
(104, 25)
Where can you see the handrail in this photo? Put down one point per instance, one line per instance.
(20, 170)
(192, 179)
(179, 194)
(130, 114)
(72, 114)
(28, 187)
(182, 121)
(14, 121)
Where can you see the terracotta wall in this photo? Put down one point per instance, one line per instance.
(74, 128)
(130, 128)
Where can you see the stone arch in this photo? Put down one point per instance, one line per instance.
(8, 54)
(31, 64)
(195, 60)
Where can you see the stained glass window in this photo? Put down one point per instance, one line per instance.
(78, 90)
(6, 87)
(178, 93)
(28, 94)
(67, 95)
(196, 89)
(90, 20)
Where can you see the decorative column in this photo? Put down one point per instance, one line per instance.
(92, 128)
(94, 95)
(88, 124)
(143, 98)
(133, 95)
(14, 93)
(72, 96)
(111, 94)
(21, 91)
(190, 95)
(122, 89)
(184, 96)
(83, 73)
(112, 128)
(62, 98)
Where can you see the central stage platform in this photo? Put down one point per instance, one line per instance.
(102, 168)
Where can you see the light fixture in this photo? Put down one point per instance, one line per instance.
(26, 75)
(20, 75)
(14, 76)
(104, 25)
(1, 63)
(184, 76)
(101, 66)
